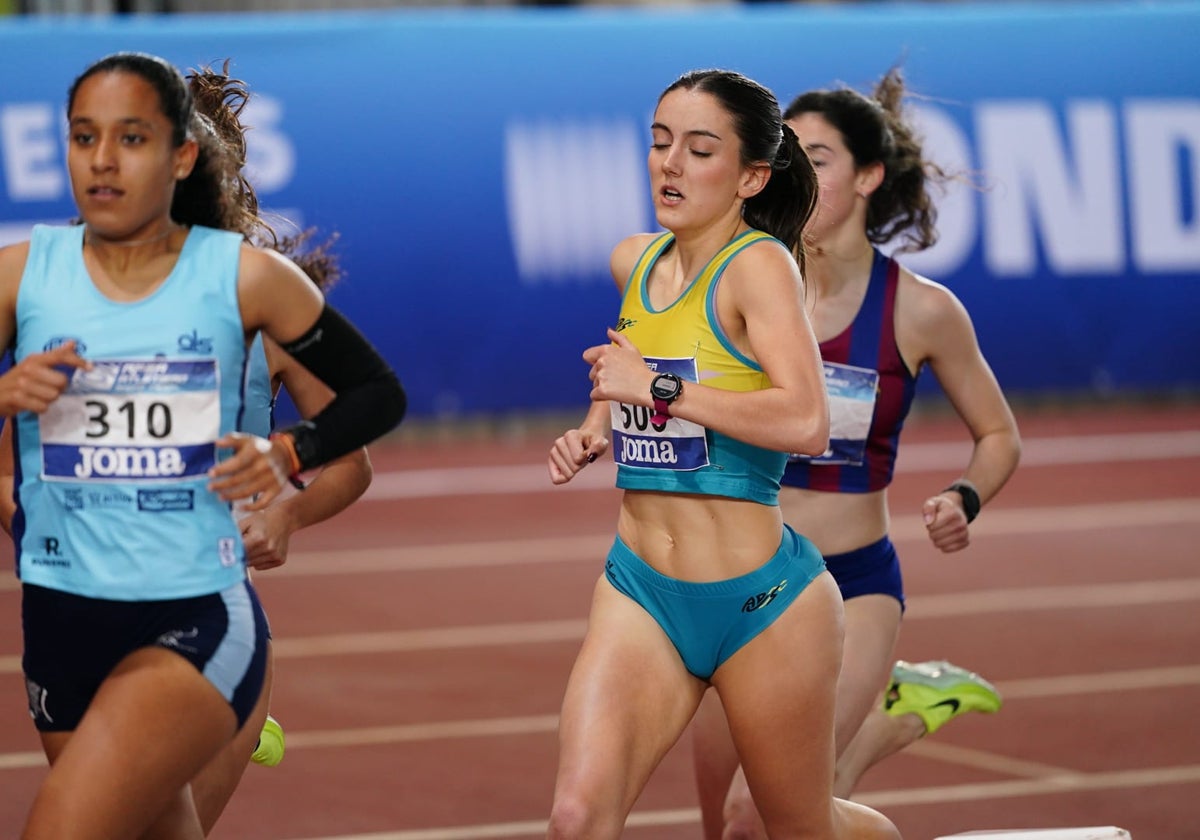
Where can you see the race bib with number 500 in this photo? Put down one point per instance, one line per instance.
(674, 445)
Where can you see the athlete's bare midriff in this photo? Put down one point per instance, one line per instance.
(835, 522)
(699, 538)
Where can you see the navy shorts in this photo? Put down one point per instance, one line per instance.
(72, 643)
(871, 570)
(710, 622)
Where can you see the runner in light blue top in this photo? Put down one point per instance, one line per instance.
(127, 447)
(144, 644)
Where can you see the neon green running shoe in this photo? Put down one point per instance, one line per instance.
(936, 692)
(269, 751)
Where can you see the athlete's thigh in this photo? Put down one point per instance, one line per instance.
(154, 722)
(778, 692)
(177, 821)
(215, 784)
(627, 701)
(714, 763)
(872, 627)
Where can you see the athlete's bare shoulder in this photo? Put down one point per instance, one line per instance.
(12, 266)
(925, 303)
(626, 254)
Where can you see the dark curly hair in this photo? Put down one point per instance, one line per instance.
(206, 105)
(874, 130)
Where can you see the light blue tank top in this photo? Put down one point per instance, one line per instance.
(111, 480)
(260, 401)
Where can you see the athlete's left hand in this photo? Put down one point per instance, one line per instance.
(265, 535)
(946, 522)
(618, 371)
(255, 472)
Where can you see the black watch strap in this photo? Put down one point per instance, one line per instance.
(970, 498)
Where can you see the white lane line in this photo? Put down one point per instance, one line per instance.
(590, 548)
(488, 728)
(1053, 598)
(1066, 685)
(1058, 451)
(1080, 684)
(1014, 690)
(914, 457)
(885, 799)
(1029, 599)
(471, 636)
(22, 760)
(982, 760)
(1066, 783)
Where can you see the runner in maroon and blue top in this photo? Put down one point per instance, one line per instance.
(870, 392)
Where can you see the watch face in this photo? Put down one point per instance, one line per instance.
(665, 386)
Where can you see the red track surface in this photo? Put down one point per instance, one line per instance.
(423, 644)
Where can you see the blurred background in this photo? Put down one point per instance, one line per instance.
(478, 161)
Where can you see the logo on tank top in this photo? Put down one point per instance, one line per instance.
(193, 343)
(60, 340)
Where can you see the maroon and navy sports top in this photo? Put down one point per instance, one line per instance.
(870, 392)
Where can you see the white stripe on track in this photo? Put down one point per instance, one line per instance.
(1089, 517)
(914, 457)
(886, 799)
(591, 547)
(1089, 685)
(1050, 598)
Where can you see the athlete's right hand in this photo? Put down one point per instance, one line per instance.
(574, 451)
(38, 379)
(254, 474)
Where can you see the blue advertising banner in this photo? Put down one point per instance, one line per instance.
(478, 166)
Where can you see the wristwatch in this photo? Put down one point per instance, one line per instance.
(664, 390)
(970, 498)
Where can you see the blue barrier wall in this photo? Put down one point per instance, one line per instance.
(479, 166)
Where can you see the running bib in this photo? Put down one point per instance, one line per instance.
(675, 445)
(852, 392)
(136, 419)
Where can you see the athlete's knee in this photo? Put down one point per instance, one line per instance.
(743, 830)
(853, 819)
(573, 817)
(178, 819)
(742, 821)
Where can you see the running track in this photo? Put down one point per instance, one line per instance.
(424, 639)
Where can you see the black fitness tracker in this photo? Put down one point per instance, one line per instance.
(664, 390)
(970, 498)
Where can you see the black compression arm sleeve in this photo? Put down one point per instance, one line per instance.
(369, 399)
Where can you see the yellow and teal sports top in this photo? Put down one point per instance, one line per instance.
(686, 339)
